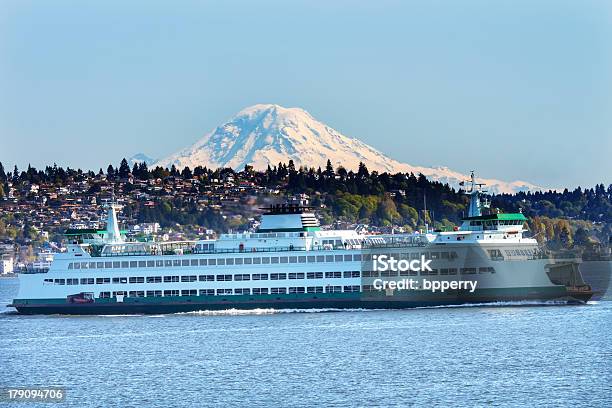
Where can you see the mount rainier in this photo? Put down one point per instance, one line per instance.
(264, 134)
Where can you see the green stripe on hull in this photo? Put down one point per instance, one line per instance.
(378, 300)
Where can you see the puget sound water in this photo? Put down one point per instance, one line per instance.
(509, 355)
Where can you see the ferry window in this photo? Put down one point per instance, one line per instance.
(468, 271)
(242, 291)
(278, 291)
(223, 278)
(435, 255)
(100, 265)
(311, 259)
(206, 278)
(101, 281)
(274, 259)
(104, 295)
(172, 292)
(357, 257)
(238, 261)
(453, 255)
(154, 279)
(444, 255)
(329, 258)
(242, 277)
(296, 275)
(220, 261)
(171, 279)
(314, 289)
(184, 262)
(248, 261)
(348, 258)
(150, 264)
(167, 262)
(452, 271)
(202, 262)
(278, 276)
(133, 264)
(338, 258)
(283, 259)
(333, 289)
(70, 265)
(60, 281)
(125, 264)
(314, 275)
(92, 265)
(189, 278)
(123, 280)
(136, 293)
(297, 290)
(444, 271)
(433, 272)
(154, 293)
(338, 242)
(207, 292)
(333, 274)
(84, 265)
(72, 281)
(351, 288)
(87, 281)
(256, 261)
(116, 264)
(108, 265)
(293, 259)
(260, 291)
(265, 260)
(224, 291)
(189, 292)
(212, 262)
(260, 276)
(301, 259)
(320, 258)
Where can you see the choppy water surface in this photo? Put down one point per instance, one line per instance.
(466, 356)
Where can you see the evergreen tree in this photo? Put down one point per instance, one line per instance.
(2, 174)
(124, 168)
(110, 172)
(329, 169)
(362, 172)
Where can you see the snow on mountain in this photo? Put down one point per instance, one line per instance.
(139, 158)
(265, 134)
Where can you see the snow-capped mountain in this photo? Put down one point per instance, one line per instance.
(264, 134)
(139, 158)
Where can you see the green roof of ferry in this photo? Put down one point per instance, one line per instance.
(82, 231)
(499, 217)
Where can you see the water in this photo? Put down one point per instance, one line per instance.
(466, 356)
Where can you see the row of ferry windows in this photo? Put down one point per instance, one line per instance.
(265, 276)
(206, 278)
(520, 252)
(251, 261)
(237, 291)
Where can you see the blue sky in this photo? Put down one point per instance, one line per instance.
(514, 89)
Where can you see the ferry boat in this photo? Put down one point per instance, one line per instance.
(291, 263)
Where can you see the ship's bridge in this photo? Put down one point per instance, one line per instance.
(494, 222)
(288, 218)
